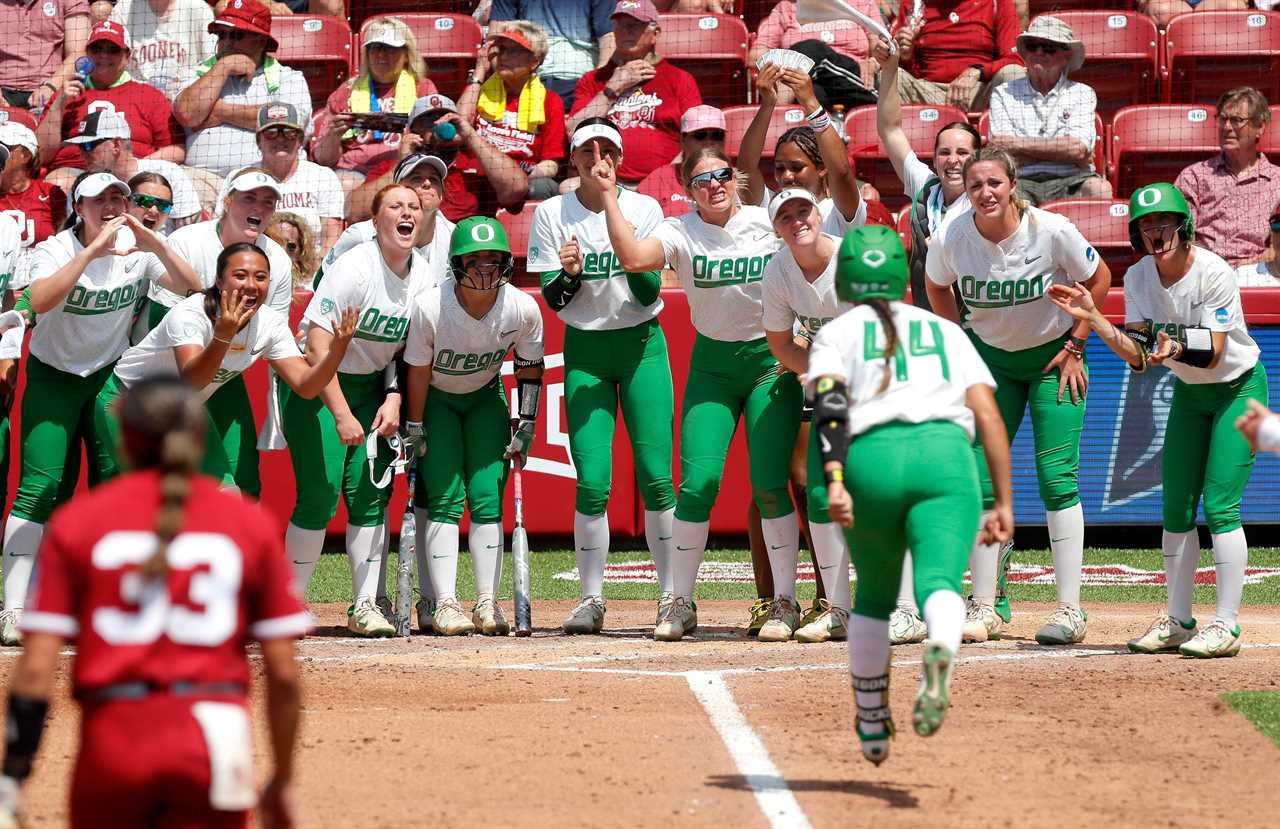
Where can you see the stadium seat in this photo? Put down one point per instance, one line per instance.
(1105, 223)
(318, 46)
(711, 47)
(518, 226)
(1154, 142)
(904, 227)
(1038, 7)
(1122, 56)
(1206, 53)
(1099, 146)
(920, 122)
(449, 44)
(362, 10)
(737, 119)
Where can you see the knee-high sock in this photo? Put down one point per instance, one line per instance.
(944, 616)
(689, 544)
(833, 562)
(907, 585)
(21, 540)
(485, 542)
(869, 658)
(303, 548)
(1230, 555)
(657, 533)
(1066, 540)
(442, 563)
(382, 566)
(420, 520)
(591, 549)
(364, 554)
(1181, 555)
(984, 565)
(782, 537)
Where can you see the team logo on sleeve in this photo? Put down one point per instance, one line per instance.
(1090, 254)
(326, 306)
(1222, 316)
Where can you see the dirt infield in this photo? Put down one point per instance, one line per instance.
(618, 730)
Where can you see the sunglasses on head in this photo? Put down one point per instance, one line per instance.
(147, 202)
(706, 135)
(1046, 46)
(724, 175)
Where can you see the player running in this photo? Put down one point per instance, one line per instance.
(1004, 255)
(615, 355)
(86, 283)
(326, 436)
(459, 334)
(907, 388)
(720, 251)
(1182, 309)
(160, 579)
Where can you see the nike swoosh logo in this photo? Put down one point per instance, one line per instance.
(1056, 540)
(42, 198)
(512, 331)
(491, 546)
(664, 538)
(589, 549)
(678, 547)
(828, 567)
(1029, 261)
(776, 546)
(433, 555)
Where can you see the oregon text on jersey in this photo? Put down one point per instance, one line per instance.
(1002, 293)
(719, 273)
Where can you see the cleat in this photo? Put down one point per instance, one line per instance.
(587, 617)
(1002, 579)
(1065, 627)
(981, 622)
(783, 621)
(875, 747)
(680, 619)
(488, 619)
(934, 697)
(364, 619)
(906, 627)
(1165, 635)
(874, 743)
(831, 624)
(425, 609)
(383, 603)
(663, 603)
(450, 620)
(819, 607)
(1213, 641)
(760, 610)
(9, 621)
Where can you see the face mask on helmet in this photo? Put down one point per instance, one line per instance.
(482, 275)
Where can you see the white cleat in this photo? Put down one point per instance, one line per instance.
(451, 620)
(9, 621)
(831, 625)
(663, 603)
(981, 622)
(906, 627)
(1165, 635)
(783, 621)
(488, 619)
(680, 619)
(364, 619)
(1213, 641)
(1065, 627)
(587, 617)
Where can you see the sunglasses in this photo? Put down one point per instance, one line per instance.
(1046, 46)
(292, 247)
(724, 175)
(281, 132)
(147, 202)
(89, 146)
(104, 48)
(706, 135)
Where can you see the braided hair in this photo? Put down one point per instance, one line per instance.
(806, 141)
(881, 307)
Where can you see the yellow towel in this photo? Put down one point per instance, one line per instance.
(531, 112)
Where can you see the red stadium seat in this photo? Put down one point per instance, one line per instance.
(1099, 146)
(449, 43)
(737, 119)
(317, 46)
(711, 47)
(1105, 223)
(518, 226)
(920, 122)
(1055, 6)
(904, 227)
(1122, 56)
(362, 10)
(1154, 142)
(1206, 53)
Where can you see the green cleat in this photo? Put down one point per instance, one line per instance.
(1002, 598)
(934, 697)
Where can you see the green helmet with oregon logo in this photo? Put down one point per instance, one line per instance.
(871, 264)
(1159, 198)
(475, 235)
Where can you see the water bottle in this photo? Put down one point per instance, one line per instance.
(445, 131)
(837, 121)
(84, 68)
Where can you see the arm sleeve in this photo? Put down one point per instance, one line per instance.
(44, 260)
(330, 196)
(1081, 125)
(1132, 309)
(1006, 33)
(588, 85)
(687, 91)
(1186, 182)
(295, 91)
(180, 328)
(155, 269)
(529, 344)
(936, 265)
(552, 135)
(420, 345)
(544, 241)
(1074, 254)
(646, 286)
(778, 314)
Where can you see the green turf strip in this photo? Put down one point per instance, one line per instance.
(1262, 708)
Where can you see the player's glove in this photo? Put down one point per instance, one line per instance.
(521, 440)
(415, 438)
(10, 803)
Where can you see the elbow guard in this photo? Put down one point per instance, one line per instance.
(1196, 347)
(561, 290)
(831, 419)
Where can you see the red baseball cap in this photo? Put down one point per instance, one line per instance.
(111, 32)
(515, 36)
(642, 10)
(247, 16)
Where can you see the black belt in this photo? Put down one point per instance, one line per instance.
(142, 690)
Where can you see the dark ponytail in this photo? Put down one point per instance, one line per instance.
(881, 307)
(213, 294)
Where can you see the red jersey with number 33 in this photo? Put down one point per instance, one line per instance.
(228, 582)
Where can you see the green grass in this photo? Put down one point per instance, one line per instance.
(1262, 708)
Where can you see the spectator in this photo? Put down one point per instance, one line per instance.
(219, 100)
(481, 178)
(511, 109)
(957, 52)
(151, 201)
(291, 232)
(39, 49)
(1230, 193)
(1047, 120)
(639, 91)
(105, 145)
(579, 37)
(700, 126)
(170, 38)
(1266, 272)
(109, 88)
(391, 79)
(39, 206)
(1162, 11)
(782, 30)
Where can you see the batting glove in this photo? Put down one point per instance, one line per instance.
(521, 440)
(415, 438)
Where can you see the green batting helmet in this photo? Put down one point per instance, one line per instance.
(473, 235)
(1161, 197)
(871, 264)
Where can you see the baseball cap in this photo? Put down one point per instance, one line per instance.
(14, 134)
(279, 114)
(431, 103)
(386, 33)
(790, 194)
(606, 131)
(702, 117)
(247, 16)
(100, 124)
(252, 180)
(515, 36)
(110, 32)
(95, 184)
(413, 161)
(642, 10)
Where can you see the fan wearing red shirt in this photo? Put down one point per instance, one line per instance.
(161, 579)
(38, 206)
(639, 91)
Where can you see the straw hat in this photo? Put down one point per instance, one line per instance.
(1047, 27)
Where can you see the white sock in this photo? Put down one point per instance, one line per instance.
(1230, 555)
(1180, 549)
(984, 565)
(688, 545)
(485, 542)
(657, 532)
(21, 541)
(833, 562)
(868, 659)
(442, 565)
(782, 539)
(944, 616)
(364, 554)
(303, 548)
(1066, 540)
(421, 520)
(907, 586)
(591, 549)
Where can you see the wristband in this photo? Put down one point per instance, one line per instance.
(1071, 348)
(218, 339)
(832, 476)
(51, 86)
(1079, 342)
(818, 120)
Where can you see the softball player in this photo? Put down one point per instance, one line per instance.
(160, 579)
(615, 354)
(908, 388)
(1182, 309)
(720, 252)
(799, 290)
(85, 284)
(1004, 255)
(459, 334)
(326, 439)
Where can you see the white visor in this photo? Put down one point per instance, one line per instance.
(775, 204)
(96, 184)
(605, 131)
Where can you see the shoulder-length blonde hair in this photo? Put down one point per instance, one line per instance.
(413, 58)
(309, 259)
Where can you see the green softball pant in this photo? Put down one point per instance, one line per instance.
(323, 468)
(914, 486)
(234, 452)
(1021, 381)
(59, 409)
(728, 381)
(815, 484)
(467, 435)
(1205, 455)
(627, 367)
